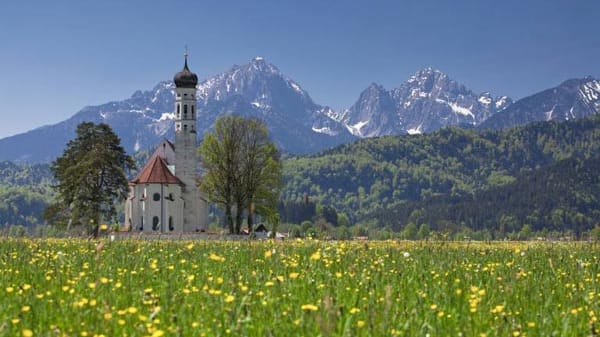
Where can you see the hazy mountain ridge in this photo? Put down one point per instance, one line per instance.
(427, 101)
(572, 99)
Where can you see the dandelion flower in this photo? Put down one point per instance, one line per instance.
(316, 256)
(310, 307)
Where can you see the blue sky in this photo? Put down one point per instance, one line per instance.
(58, 56)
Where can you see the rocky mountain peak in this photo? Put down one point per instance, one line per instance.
(428, 100)
(571, 99)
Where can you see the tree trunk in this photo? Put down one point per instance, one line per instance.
(229, 219)
(250, 217)
(238, 218)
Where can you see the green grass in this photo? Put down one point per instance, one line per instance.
(299, 288)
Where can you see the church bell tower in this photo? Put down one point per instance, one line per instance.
(194, 208)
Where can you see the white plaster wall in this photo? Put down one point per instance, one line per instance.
(164, 208)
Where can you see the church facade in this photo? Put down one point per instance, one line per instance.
(164, 196)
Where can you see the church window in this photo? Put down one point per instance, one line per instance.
(171, 227)
(156, 197)
(155, 222)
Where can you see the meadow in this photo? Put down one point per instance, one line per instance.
(297, 288)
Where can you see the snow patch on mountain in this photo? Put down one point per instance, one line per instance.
(355, 129)
(486, 100)
(415, 131)
(461, 110)
(324, 130)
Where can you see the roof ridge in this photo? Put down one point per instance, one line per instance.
(156, 171)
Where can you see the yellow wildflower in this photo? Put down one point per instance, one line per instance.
(310, 307)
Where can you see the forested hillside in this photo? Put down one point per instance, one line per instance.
(560, 197)
(394, 181)
(543, 175)
(24, 193)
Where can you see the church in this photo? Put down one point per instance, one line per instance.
(164, 196)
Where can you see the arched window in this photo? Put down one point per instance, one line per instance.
(155, 222)
(171, 227)
(156, 197)
(141, 223)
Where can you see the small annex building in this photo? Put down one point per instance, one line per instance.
(164, 197)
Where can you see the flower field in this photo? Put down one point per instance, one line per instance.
(297, 288)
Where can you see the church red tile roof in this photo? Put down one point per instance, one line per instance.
(156, 172)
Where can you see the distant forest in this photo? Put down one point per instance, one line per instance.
(539, 177)
(543, 175)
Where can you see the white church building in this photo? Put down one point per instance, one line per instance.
(164, 196)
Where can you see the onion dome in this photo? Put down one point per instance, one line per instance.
(185, 78)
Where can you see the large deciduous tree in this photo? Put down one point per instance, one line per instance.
(243, 169)
(91, 175)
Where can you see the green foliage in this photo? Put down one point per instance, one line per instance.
(444, 178)
(242, 169)
(91, 176)
(25, 190)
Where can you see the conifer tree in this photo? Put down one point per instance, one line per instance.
(91, 176)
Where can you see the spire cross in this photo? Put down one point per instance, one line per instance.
(185, 54)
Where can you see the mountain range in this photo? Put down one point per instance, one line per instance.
(427, 101)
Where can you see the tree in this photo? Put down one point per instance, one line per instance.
(243, 169)
(91, 176)
(410, 231)
(423, 232)
(260, 172)
(219, 158)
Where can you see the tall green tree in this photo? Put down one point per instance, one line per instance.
(220, 159)
(91, 175)
(260, 172)
(242, 169)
